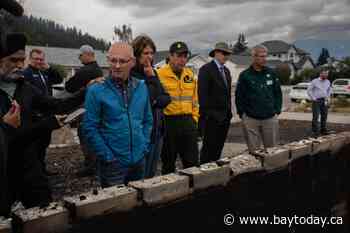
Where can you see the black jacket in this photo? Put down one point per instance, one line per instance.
(50, 75)
(31, 99)
(83, 76)
(159, 100)
(14, 142)
(158, 96)
(214, 96)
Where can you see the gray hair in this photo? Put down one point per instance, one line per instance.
(258, 47)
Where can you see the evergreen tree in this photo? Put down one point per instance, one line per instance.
(43, 32)
(123, 33)
(323, 58)
(240, 45)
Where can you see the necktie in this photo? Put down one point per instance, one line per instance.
(42, 79)
(222, 70)
(43, 82)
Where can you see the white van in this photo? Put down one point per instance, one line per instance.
(341, 87)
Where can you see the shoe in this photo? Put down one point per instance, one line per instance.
(326, 132)
(315, 135)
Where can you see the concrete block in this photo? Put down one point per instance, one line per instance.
(347, 135)
(299, 149)
(274, 158)
(207, 175)
(5, 225)
(163, 189)
(338, 141)
(51, 219)
(108, 200)
(320, 144)
(245, 163)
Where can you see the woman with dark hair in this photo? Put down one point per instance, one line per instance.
(144, 49)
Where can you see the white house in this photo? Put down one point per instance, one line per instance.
(281, 52)
(239, 62)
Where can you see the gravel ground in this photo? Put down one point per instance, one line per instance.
(290, 131)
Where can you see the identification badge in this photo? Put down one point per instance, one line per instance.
(269, 82)
(188, 79)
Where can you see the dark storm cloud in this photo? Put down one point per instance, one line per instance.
(203, 22)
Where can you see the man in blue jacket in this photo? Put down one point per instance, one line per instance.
(118, 120)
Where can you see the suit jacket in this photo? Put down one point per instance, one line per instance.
(51, 77)
(214, 95)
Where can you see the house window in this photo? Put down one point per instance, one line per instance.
(279, 55)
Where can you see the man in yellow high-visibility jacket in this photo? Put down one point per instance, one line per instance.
(181, 115)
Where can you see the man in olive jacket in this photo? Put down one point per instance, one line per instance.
(259, 102)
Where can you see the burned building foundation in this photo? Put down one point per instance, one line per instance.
(305, 179)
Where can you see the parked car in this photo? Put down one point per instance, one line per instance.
(59, 91)
(299, 92)
(341, 87)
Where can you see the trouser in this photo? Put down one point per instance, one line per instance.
(43, 143)
(113, 173)
(90, 158)
(214, 136)
(180, 139)
(258, 132)
(26, 180)
(153, 156)
(4, 193)
(319, 108)
(29, 183)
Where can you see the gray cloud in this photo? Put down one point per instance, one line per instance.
(201, 23)
(148, 3)
(141, 9)
(210, 3)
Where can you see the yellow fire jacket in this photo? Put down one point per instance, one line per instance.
(183, 92)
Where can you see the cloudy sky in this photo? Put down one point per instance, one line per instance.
(201, 23)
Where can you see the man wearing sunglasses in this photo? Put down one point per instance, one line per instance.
(90, 72)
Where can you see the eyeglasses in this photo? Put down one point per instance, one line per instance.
(37, 59)
(121, 62)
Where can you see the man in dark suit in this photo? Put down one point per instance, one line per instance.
(41, 75)
(214, 91)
